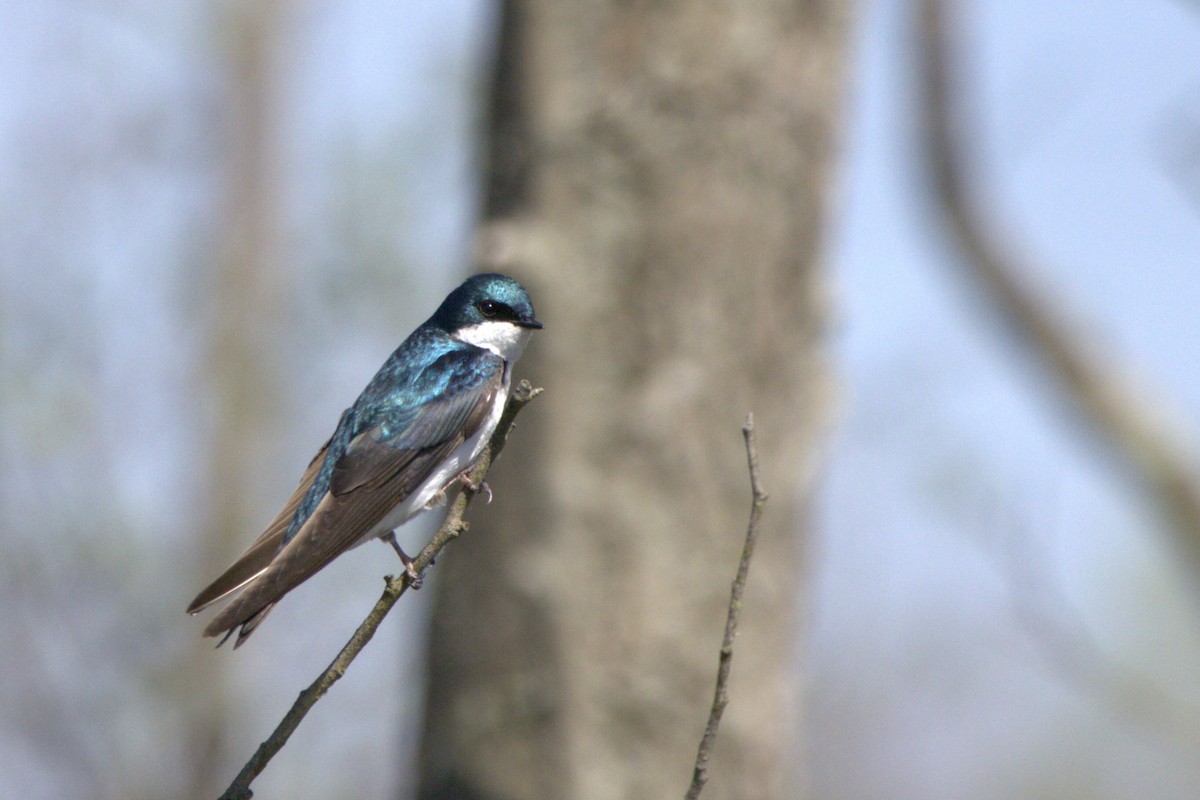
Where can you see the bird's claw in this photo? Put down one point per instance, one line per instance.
(476, 488)
(414, 578)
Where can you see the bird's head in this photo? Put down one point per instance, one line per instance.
(491, 311)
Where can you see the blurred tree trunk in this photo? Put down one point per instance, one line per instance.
(660, 175)
(246, 299)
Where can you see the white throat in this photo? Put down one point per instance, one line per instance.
(502, 338)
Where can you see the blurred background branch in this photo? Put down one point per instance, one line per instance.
(1137, 420)
(243, 304)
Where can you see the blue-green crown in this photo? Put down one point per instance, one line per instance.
(480, 298)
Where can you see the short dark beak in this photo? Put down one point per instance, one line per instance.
(530, 323)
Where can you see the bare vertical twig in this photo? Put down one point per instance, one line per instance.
(450, 528)
(725, 662)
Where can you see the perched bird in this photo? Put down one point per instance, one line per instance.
(420, 424)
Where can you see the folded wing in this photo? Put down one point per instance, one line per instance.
(380, 468)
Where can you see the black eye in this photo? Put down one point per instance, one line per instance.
(491, 309)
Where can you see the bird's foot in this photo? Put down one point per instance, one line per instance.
(414, 578)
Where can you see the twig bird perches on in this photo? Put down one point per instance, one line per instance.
(451, 527)
(416, 430)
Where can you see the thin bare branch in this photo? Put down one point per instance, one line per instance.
(725, 662)
(453, 525)
(1133, 419)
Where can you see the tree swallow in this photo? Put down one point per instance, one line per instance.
(420, 424)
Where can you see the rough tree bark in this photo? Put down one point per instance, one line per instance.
(659, 175)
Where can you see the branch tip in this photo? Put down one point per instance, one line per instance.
(725, 657)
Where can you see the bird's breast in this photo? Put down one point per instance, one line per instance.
(445, 472)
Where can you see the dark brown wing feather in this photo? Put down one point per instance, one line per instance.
(370, 480)
(258, 555)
